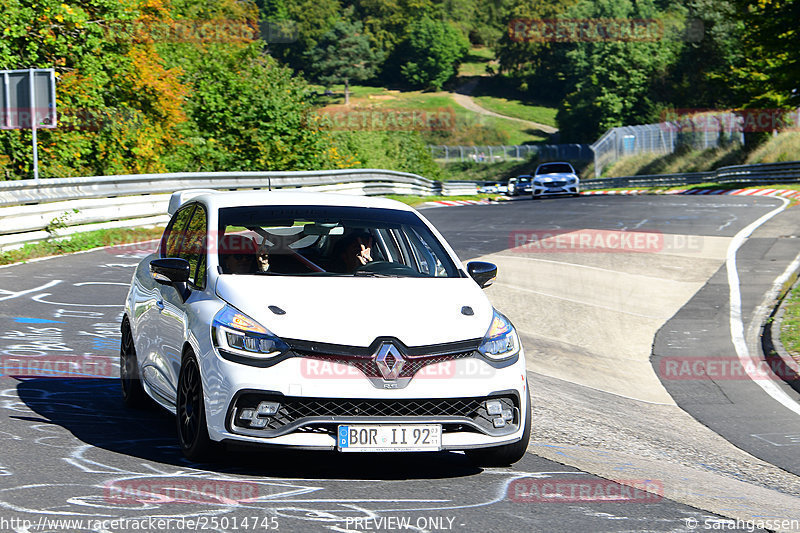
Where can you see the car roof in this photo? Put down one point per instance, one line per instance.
(554, 163)
(223, 199)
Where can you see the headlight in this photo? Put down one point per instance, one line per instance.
(237, 333)
(501, 341)
(573, 180)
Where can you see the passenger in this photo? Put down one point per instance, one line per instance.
(353, 251)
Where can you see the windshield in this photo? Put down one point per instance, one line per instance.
(329, 241)
(555, 168)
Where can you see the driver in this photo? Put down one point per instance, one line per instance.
(240, 255)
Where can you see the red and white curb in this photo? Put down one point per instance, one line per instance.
(786, 193)
(454, 203)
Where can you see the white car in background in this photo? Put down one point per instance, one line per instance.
(325, 322)
(555, 179)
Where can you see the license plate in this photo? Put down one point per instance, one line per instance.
(390, 438)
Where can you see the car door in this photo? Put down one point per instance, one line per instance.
(177, 301)
(162, 318)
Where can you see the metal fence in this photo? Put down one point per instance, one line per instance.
(663, 138)
(499, 153)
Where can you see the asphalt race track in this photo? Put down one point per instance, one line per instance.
(72, 451)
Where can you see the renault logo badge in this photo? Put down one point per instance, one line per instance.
(390, 361)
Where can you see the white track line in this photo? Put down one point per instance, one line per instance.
(736, 322)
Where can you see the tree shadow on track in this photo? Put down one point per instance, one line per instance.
(92, 410)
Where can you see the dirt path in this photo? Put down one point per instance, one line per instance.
(463, 98)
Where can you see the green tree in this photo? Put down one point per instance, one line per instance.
(118, 103)
(311, 19)
(342, 55)
(611, 80)
(246, 112)
(713, 40)
(431, 53)
(535, 67)
(771, 68)
(387, 21)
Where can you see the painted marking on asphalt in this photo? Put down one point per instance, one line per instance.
(780, 439)
(736, 321)
(81, 284)
(27, 320)
(41, 299)
(9, 295)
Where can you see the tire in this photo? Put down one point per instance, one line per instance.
(506, 454)
(192, 427)
(132, 391)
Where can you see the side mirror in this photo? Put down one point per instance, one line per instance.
(170, 270)
(483, 273)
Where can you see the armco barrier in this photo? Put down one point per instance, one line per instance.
(28, 208)
(66, 205)
(765, 173)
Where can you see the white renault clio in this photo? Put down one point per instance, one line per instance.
(321, 321)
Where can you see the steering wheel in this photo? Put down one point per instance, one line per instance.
(387, 267)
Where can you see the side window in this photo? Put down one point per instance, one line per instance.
(173, 236)
(194, 247)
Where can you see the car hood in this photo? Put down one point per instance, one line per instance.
(355, 310)
(555, 177)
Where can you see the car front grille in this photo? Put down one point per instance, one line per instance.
(369, 367)
(556, 184)
(364, 358)
(323, 414)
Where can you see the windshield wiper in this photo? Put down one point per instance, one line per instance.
(370, 274)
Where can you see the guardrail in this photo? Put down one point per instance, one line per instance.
(31, 211)
(651, 180)
(746, 174)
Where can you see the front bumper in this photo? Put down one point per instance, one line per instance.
(451, 393)
(555, 190)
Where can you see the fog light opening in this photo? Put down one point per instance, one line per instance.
(494, 407)
(259, 417)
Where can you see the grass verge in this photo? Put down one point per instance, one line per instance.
(414, 201)
(519, 109)
(790, 325)
(79, 242)
(476, 62)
